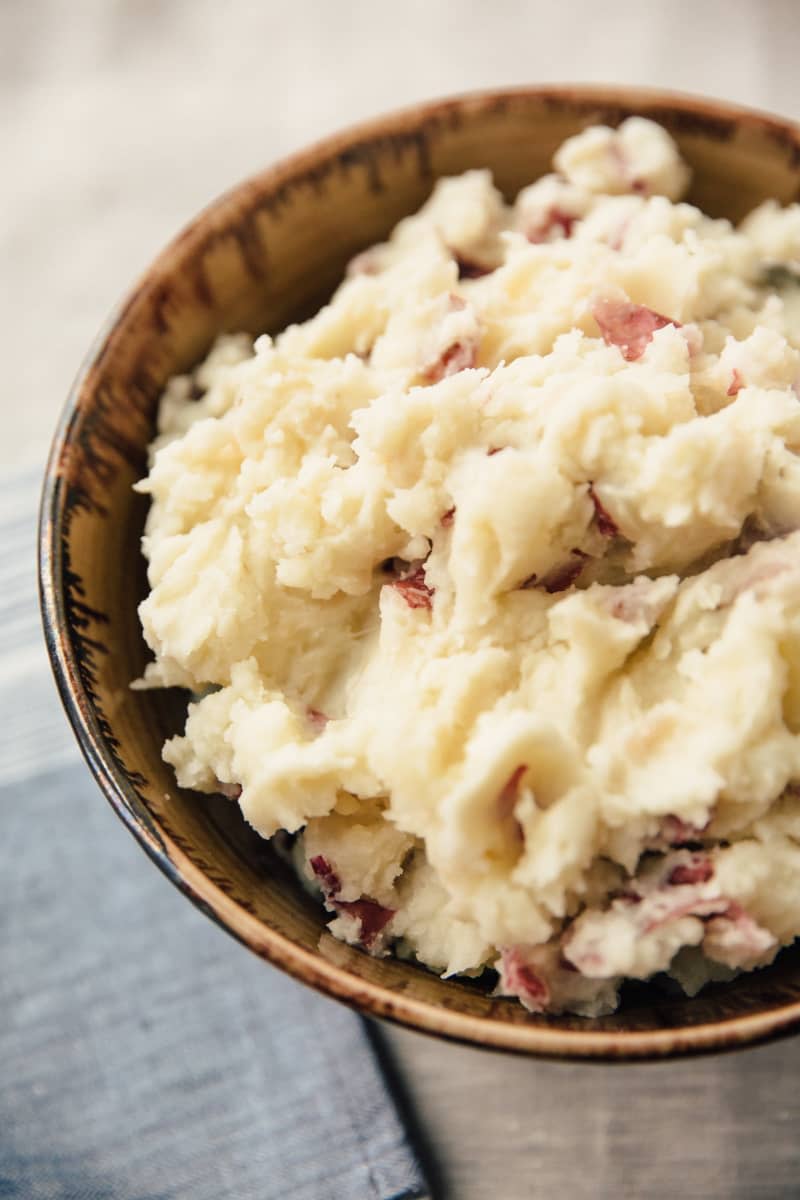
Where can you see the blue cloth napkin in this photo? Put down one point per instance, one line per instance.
(144, 1055)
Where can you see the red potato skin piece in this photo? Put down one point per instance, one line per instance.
(735, 912)
(629, 327)
(508, 798)
(372, 916)
(447, 518)
(328, 879)
(317, 719)
(702, 909)
(559, 578)
(736, 384)
(639, 187)
(521, 980)
(606, 524)
(617, 240)
(623, 610)
(699, 871)
(508, 793)
(414, 589)
(458, 357)
(556, 218)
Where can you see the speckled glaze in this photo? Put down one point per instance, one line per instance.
(268, 252)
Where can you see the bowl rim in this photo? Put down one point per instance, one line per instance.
(311, 967)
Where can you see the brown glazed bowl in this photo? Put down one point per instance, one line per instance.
(266, 253)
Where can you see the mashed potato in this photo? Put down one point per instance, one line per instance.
(486, 580)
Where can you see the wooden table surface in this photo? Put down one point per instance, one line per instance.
(121, 121)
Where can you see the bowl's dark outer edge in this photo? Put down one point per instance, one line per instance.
(724, 1035)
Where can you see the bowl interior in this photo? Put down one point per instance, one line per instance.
(268, 253)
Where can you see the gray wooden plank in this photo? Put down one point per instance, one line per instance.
(716, 1128)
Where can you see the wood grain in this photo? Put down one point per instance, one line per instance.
(721, 1128)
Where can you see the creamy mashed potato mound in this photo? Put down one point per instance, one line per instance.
(486, 581)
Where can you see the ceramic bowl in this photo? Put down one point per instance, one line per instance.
(268, 252)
